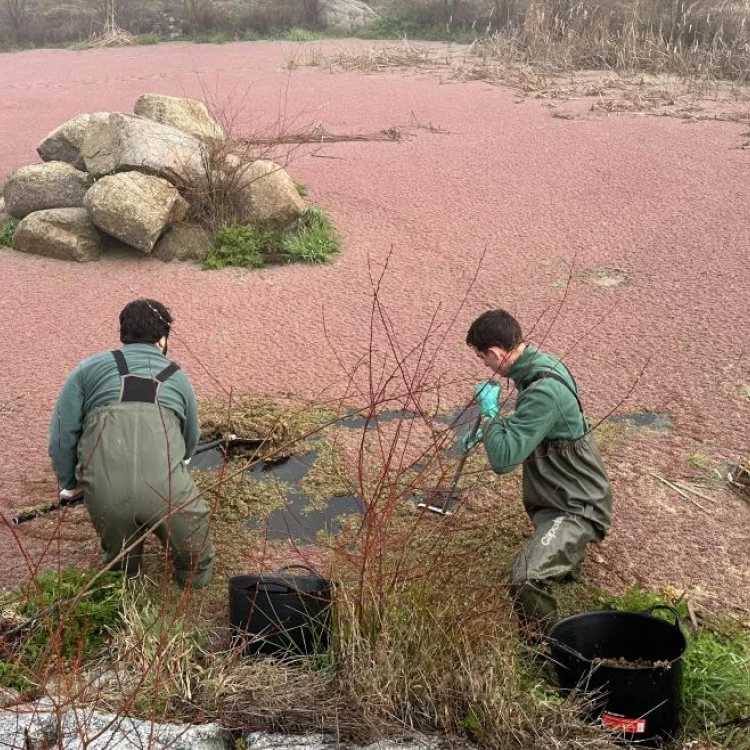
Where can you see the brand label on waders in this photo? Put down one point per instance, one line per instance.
(549, 537)
(621, 724)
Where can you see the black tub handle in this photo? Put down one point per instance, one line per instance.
(668, 608)
(303, 567)
(319, 580)
(569, 650)
(277, 587)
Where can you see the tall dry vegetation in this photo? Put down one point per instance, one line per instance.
(688, 37)
(700, 38)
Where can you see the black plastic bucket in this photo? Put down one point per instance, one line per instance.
(281, 613)
(642, 704)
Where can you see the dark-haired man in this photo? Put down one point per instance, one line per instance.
(566, 490)
(123, 424)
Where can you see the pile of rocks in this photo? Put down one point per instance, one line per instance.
(134, 180)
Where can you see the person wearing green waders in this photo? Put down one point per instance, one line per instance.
(566, 490)
(123, 427)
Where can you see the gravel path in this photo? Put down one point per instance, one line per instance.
(551, 200)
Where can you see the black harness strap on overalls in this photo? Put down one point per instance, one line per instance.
(555, 376)
(138, 388)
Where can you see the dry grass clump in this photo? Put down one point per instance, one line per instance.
(155, 658)
(700, 39)
(114, 37)
(703, 38)
(607, 277)
(111, 35)
(426, 637)
(742, 475)
(387, 57)
(162, 664)
(291, 697)
(699, 42)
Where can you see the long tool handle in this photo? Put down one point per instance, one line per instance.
(211, 444)
(228, 442)
(43, 510)
(459, 469)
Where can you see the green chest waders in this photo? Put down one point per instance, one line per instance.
(134, 479)
(567, 476)
(567, 496)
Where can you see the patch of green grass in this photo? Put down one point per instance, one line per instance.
(7, 231)
(391, 25)
(14, 676)
(83, 610)
(301, 35)
(217, 37)
(403, 24)
(716, 688)
(148, 38)
(312, 239)
(698, 460)
(65, 616)
(315, 240)
(636, 599)
(238, 245)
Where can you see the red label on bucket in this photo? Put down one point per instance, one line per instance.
(621, 724)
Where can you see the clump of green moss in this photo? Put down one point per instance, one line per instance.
(237, 496)
(327, 477)
(58, 617)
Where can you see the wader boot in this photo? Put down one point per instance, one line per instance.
(130, 466)
(556, 549)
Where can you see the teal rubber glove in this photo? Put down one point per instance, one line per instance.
(487, 395)
(469, 441)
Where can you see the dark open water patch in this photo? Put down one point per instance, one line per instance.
(302, 518)
(650, 420)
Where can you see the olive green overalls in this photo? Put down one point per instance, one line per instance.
(131, 470)
(567, 496)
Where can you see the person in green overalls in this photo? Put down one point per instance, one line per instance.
(123, 427)
(566, 490)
